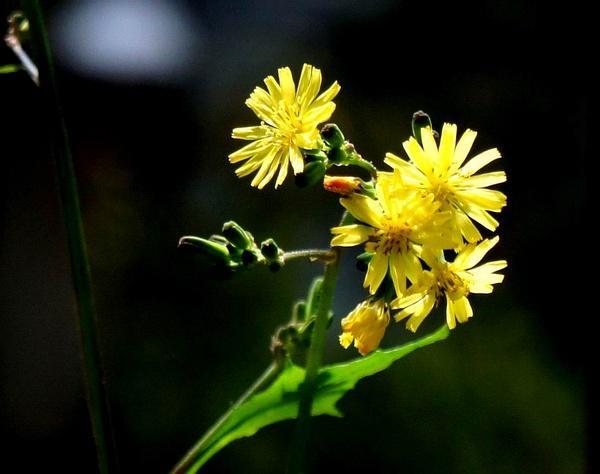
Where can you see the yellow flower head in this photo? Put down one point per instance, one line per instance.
(454, 281)
(395, 227)
(441, 172)
(289, 119)
(365, 325)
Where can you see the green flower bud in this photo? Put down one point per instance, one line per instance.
(269, 249)
(214, 251)
(250, 257)
(218, 239)
(236, 235)
(312, 174)
(337, 155)
(419, 120)
(332, 135)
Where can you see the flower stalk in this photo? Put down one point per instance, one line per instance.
(315, 355)
(94, 386)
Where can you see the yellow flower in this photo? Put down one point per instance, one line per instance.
(454, 280)
(394, 227)
(365, 325)
(441, 172)
(289, 120)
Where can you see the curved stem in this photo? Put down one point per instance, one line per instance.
(188, 460)
(94, 386)
(312, 254)
(315, 355)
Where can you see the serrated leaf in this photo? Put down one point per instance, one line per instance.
(280, 400)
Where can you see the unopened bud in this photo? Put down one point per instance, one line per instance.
(344, 185)
(313, 173)
(269, 249)
(236, 235)
(249, 257)
(419, 120)
(332, 135)
(208, 248)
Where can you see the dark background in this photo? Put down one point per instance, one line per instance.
(151, 90)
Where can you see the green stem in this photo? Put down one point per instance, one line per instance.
(190, 457)
(312, 254)
(95, 390)
(315, 356)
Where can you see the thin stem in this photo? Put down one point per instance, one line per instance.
(315, 356)
(312, 254)
(95, 391)
(188, 460)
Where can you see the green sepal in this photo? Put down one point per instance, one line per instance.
(362, 261)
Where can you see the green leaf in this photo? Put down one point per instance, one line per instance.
(280, 400)
(10, 68)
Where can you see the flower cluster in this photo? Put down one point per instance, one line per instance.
(419, 220)
(425, 209)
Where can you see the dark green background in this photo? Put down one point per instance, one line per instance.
(505, 393)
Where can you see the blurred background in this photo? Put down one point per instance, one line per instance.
(151, 90)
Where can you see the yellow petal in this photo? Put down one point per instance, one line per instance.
(429, 145)
(484, 180)
(283, 171)
(328, 95)
(272, 169)
(462, 309)
(376, 272)
(447, 144)
(417, 318)
(481, 216)
(250, 133)
(286, 82)
(473, 254)
(479, 161)
(264, 168)
(363, 209)
(462, 148)
(398, 274)
(421, 159)
(488, 199)
(249, 150)
(346, 339)
(274, 89)
(466, 226)
(316, 115)
(296, 159)
(450, 316)
(350, 235)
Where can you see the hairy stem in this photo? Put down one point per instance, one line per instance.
(312, 254)
(187, 462)
(315, 355)
(95, 391)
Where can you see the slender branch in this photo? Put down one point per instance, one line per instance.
(312, 254)
(95, 390)
(190, 457)
(315, 355)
